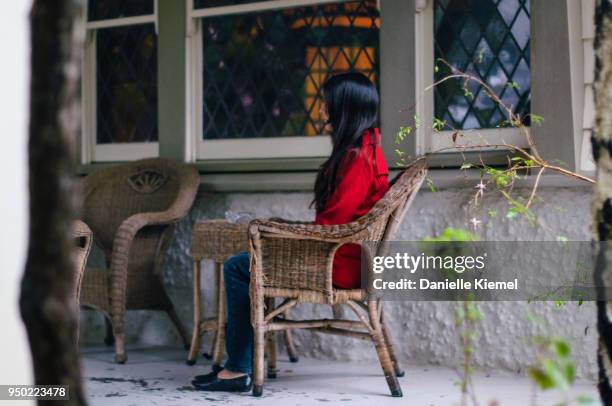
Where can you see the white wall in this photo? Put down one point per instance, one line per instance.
(14, 76)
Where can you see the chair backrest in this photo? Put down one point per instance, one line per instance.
(387, 214)
(114, 194)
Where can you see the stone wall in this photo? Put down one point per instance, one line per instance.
(423, 331)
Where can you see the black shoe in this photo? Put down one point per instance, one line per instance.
(211, 376)
(206, 378)
(240, 384)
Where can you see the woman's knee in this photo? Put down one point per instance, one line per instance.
(236, 267)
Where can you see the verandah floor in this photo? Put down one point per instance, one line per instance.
(159, 376)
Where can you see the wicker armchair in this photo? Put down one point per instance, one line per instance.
(294, 262)
(132, 210)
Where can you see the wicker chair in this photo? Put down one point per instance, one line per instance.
(132, 210)
(294, 262)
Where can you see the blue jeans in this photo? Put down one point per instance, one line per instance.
(239, 332)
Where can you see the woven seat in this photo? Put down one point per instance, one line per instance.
(294, 261)
(132, 210)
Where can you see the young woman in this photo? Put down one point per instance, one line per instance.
(348, 184)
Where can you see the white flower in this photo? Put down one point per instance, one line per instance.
(475, 222)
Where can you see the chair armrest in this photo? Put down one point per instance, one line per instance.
(122, 243)
(340, 233)
(282, 220)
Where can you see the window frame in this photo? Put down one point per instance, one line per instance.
(441, 142)
(200, 149)
(91, 151)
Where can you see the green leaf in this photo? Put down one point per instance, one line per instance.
(535, 119)
(453, 234)
(438, 124)
(431, 185)
(540, 378)
(569, 371)
(562, 348)
(511, 214)
(556, 376)
(466, 166)
(480, 55)
(417, 121)
(492, 213)
(513, 85)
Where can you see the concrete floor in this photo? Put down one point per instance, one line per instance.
(159, 376)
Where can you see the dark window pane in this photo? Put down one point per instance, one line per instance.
(126, 84)
(219, 3)
(490, 40)
(263, 72)
(107, 9)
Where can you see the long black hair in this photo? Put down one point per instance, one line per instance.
(352, 107)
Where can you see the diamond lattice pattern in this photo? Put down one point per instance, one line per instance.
(489, 39)
(263, 71)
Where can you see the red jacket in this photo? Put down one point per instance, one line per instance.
(362, 181)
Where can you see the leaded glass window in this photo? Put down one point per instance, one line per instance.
(109, 9)
(126, 73)
(489, 39)
(126, 84)
(220, 3)
(263, 71)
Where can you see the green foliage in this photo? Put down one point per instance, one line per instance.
(501, 178)
(402, 134)
(438, 125)
(431, 185)
(453, 234)
(513, 85)
(519, 160)
(554, 368)
(535, 119)
(518, 209)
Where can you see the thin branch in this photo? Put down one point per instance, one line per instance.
(535, 187)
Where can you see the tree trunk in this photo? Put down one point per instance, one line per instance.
(602, 202)
(47, 301)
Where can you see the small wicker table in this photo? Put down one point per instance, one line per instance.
(215, 240)
(218, 240)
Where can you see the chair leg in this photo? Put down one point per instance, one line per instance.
(109, 338)
(271, 343)
(382, 350)
(271, 353)
(120, 355)
(258, 360)
(293, 357)
(195, 335)
(387, 335)
(259, 341)
(219, 341)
